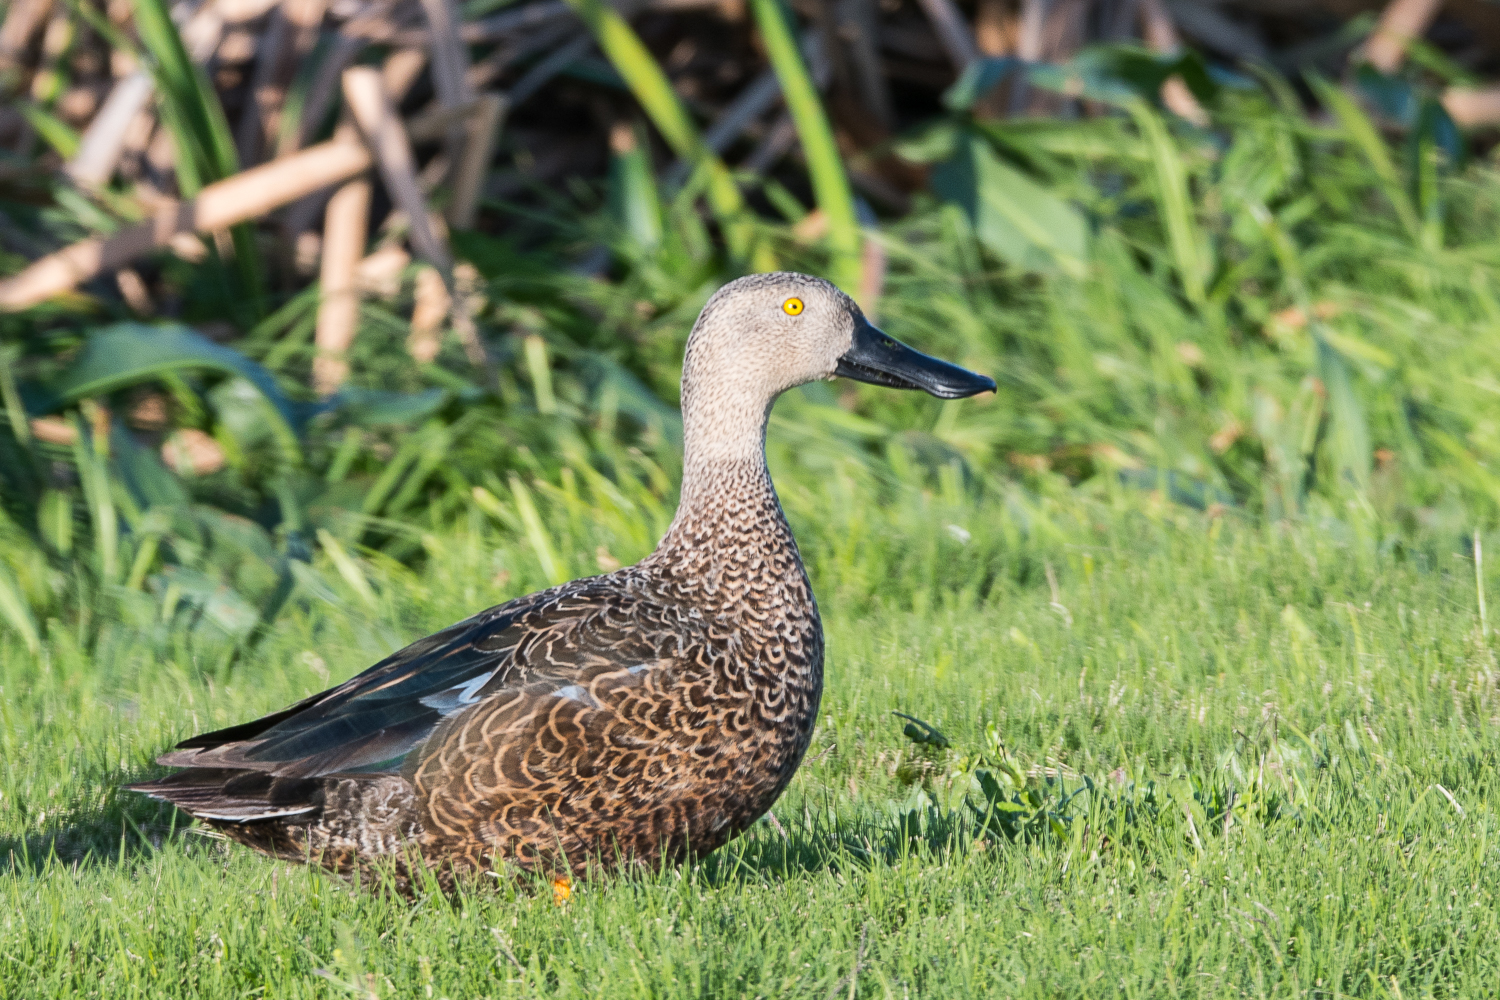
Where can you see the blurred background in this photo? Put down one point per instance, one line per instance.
(289, 289)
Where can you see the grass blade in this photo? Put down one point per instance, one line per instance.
(552, 567)
(1360, 131)
(348, 568)
(1190, 251)
(635, 202)
(16, 611)
(651, 87)
(825, 166)
(192, 112)
(92, 473)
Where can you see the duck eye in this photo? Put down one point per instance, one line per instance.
(792, 307)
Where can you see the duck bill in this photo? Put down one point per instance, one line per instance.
(880, 359)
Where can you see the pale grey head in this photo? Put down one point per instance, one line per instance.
(763, 334)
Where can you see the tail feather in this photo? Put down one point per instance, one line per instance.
(236, 796)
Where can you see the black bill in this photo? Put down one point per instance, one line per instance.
(879, 359)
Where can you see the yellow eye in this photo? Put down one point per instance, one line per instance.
(792, 307)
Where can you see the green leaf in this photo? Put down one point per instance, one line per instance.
(1349, 442)
(54, 131)
(347, 568)
(1013, 215)
(375, 407)
(825, 166)
(541, 543)
(129, 353)
(649, 83)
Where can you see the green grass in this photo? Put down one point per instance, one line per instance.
(1291, 733)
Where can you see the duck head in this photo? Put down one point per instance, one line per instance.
(765, 333)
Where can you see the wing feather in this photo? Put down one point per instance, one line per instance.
(374, 720)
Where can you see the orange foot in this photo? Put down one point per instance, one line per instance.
(562, 889)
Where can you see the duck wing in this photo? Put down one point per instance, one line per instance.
(370, 723)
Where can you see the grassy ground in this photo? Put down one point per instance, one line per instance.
(1286, 739)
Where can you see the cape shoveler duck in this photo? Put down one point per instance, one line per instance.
(637, 715)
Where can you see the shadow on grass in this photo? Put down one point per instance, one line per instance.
(774, 851)
(125, 827)
(128, 828)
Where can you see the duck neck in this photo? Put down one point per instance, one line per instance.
(729, 513)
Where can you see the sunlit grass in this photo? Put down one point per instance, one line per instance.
(1291, 735)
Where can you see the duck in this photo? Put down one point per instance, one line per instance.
(638, 717)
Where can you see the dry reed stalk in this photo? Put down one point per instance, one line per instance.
(433, 121)
(859, 24)
(387, 139)
(450, 68)
(288, 38)
(479, 149)
(103, 142)
(1473, 107)
(380, 273)
(133, 291)
(776, 143)
(53, 430)
(1400, 22)
(203, 32)
(994, 28)
(23, 20)
(240, 11)
(345, 227)
(952, 31)
(1161, 37)
(432, 306)
(347, 45)
(399, 72)
(244, 196)
(383, 131)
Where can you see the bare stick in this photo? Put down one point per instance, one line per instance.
(479, 149)
(104, 142)
(344, 229)
(1472, 107)
(401, 70)
(383, 132)
(22, 20)
(376, 118)
(859, 24)
(450, 67)
(1402, 21)
(952, 31)
(320, 95)
(246, 195)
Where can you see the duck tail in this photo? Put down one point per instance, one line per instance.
(231, 795)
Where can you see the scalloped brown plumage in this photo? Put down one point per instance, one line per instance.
(639, 715)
